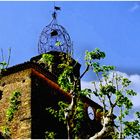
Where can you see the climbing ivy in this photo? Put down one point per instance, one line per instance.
(58, 113)
(112, 90)
(6, 131)
(47, 59)
(50, 135)
(64, 80)
(13, 107)
(77, 119)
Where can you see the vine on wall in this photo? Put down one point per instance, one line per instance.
(47, 59)
(13, 107)
(77, 119)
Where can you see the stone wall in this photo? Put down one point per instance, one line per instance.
(20, 125)
(38, 92)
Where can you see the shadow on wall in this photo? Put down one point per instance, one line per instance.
(1, 137)
(44, 96)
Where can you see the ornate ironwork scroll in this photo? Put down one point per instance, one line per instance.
(54, 37)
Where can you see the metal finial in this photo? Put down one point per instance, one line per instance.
(54, 15)
(56, 8)
(54, 37)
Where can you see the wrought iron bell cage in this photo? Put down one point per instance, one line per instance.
(54, 37)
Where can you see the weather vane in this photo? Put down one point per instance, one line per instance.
(54, 37)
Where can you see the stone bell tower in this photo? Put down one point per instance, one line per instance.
(27, 89)
(55, 40)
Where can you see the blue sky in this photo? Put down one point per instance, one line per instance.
(114, 27)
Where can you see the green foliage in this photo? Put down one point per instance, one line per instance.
(59, 114)
(14, 105)
(62, 107)
(58, 43)
(49, 135)
(132, 128)
(78, 118)
(86, 92)
(92, 61)
(138, 115)
(4, 64)
(104, 69)
(47, 59)
(131, 92)
(6, 131)
(125, 82)
(106, 89)
(64, 80)
(112, 91)
(96, 54)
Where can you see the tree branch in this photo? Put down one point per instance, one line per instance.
(9, 56)
(87, 68)
(109, 97)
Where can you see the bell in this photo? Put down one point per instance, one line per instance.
(54, 33)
